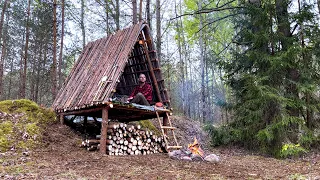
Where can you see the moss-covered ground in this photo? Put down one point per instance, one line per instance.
(147, 124)
(22, 123)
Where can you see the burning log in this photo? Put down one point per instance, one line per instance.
(195, 148)
(194, 153)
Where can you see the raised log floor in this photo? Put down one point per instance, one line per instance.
(120, 112)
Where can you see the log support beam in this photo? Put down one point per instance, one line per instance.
(61, 118)
(104, 129)
(85, 125)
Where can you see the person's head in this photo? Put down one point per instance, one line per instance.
(142, 78)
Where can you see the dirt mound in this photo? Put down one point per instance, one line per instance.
(21, 124)
(59, 137)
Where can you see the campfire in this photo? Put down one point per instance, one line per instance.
(193, 153)
(195, 148)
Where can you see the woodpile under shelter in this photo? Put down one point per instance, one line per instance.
(110, 66)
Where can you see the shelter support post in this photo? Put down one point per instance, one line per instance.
(85, 124)
(104, 128)
(61, 118)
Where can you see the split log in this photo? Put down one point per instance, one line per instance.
(125, 142)
(123, 139)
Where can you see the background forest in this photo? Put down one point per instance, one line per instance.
(247, 70)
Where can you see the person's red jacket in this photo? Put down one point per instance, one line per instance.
(146, 90)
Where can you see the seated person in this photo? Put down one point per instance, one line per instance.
(142, 94)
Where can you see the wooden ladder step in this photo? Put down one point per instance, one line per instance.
(164, 134)
(174, 147)
(168, 127)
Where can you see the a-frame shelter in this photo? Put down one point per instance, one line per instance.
(112, 65)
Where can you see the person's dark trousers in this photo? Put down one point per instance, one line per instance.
(140, 99)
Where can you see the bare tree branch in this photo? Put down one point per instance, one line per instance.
(209, 10)
(219, 19)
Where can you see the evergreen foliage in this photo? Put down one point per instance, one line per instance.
(274, 77)
(222, 135)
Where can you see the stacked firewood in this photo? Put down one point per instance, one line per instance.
(123, 139)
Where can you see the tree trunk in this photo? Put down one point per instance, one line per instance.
(284, 28)
(3, 52)
(21, 66)
(3, 55)
(61, 45)
(213, 92)
(39, 67)
(44, 62)
(82, 25)
(192, 96)
(148, 13)
(318, 3)
(158, 19)
(32, 76)
(291, 90)
(185, 63)
(207, 109)
(54, 62)
(183, 90)
(134, 11)
(10, 80)
(140, 11)
(188, 79)
(117, 15)
(2, 16)
(25, 57)
(306, 62)
(107, 17)
(201, 62)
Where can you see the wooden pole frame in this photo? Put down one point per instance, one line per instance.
(155, 82)
(83, 111)
(85, 125)
(104, 129)
(61, 118)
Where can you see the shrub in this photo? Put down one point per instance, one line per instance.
(307, 139)
(291, 150)
(221, 135)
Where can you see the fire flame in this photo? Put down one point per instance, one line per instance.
(195, 148)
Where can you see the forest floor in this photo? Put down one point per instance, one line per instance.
(60, 157)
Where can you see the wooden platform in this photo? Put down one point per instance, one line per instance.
(121, 112)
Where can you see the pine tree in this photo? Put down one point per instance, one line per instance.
(268, 74)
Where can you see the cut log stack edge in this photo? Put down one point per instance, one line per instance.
(123, 139)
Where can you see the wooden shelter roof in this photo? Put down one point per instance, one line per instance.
(111, 65)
